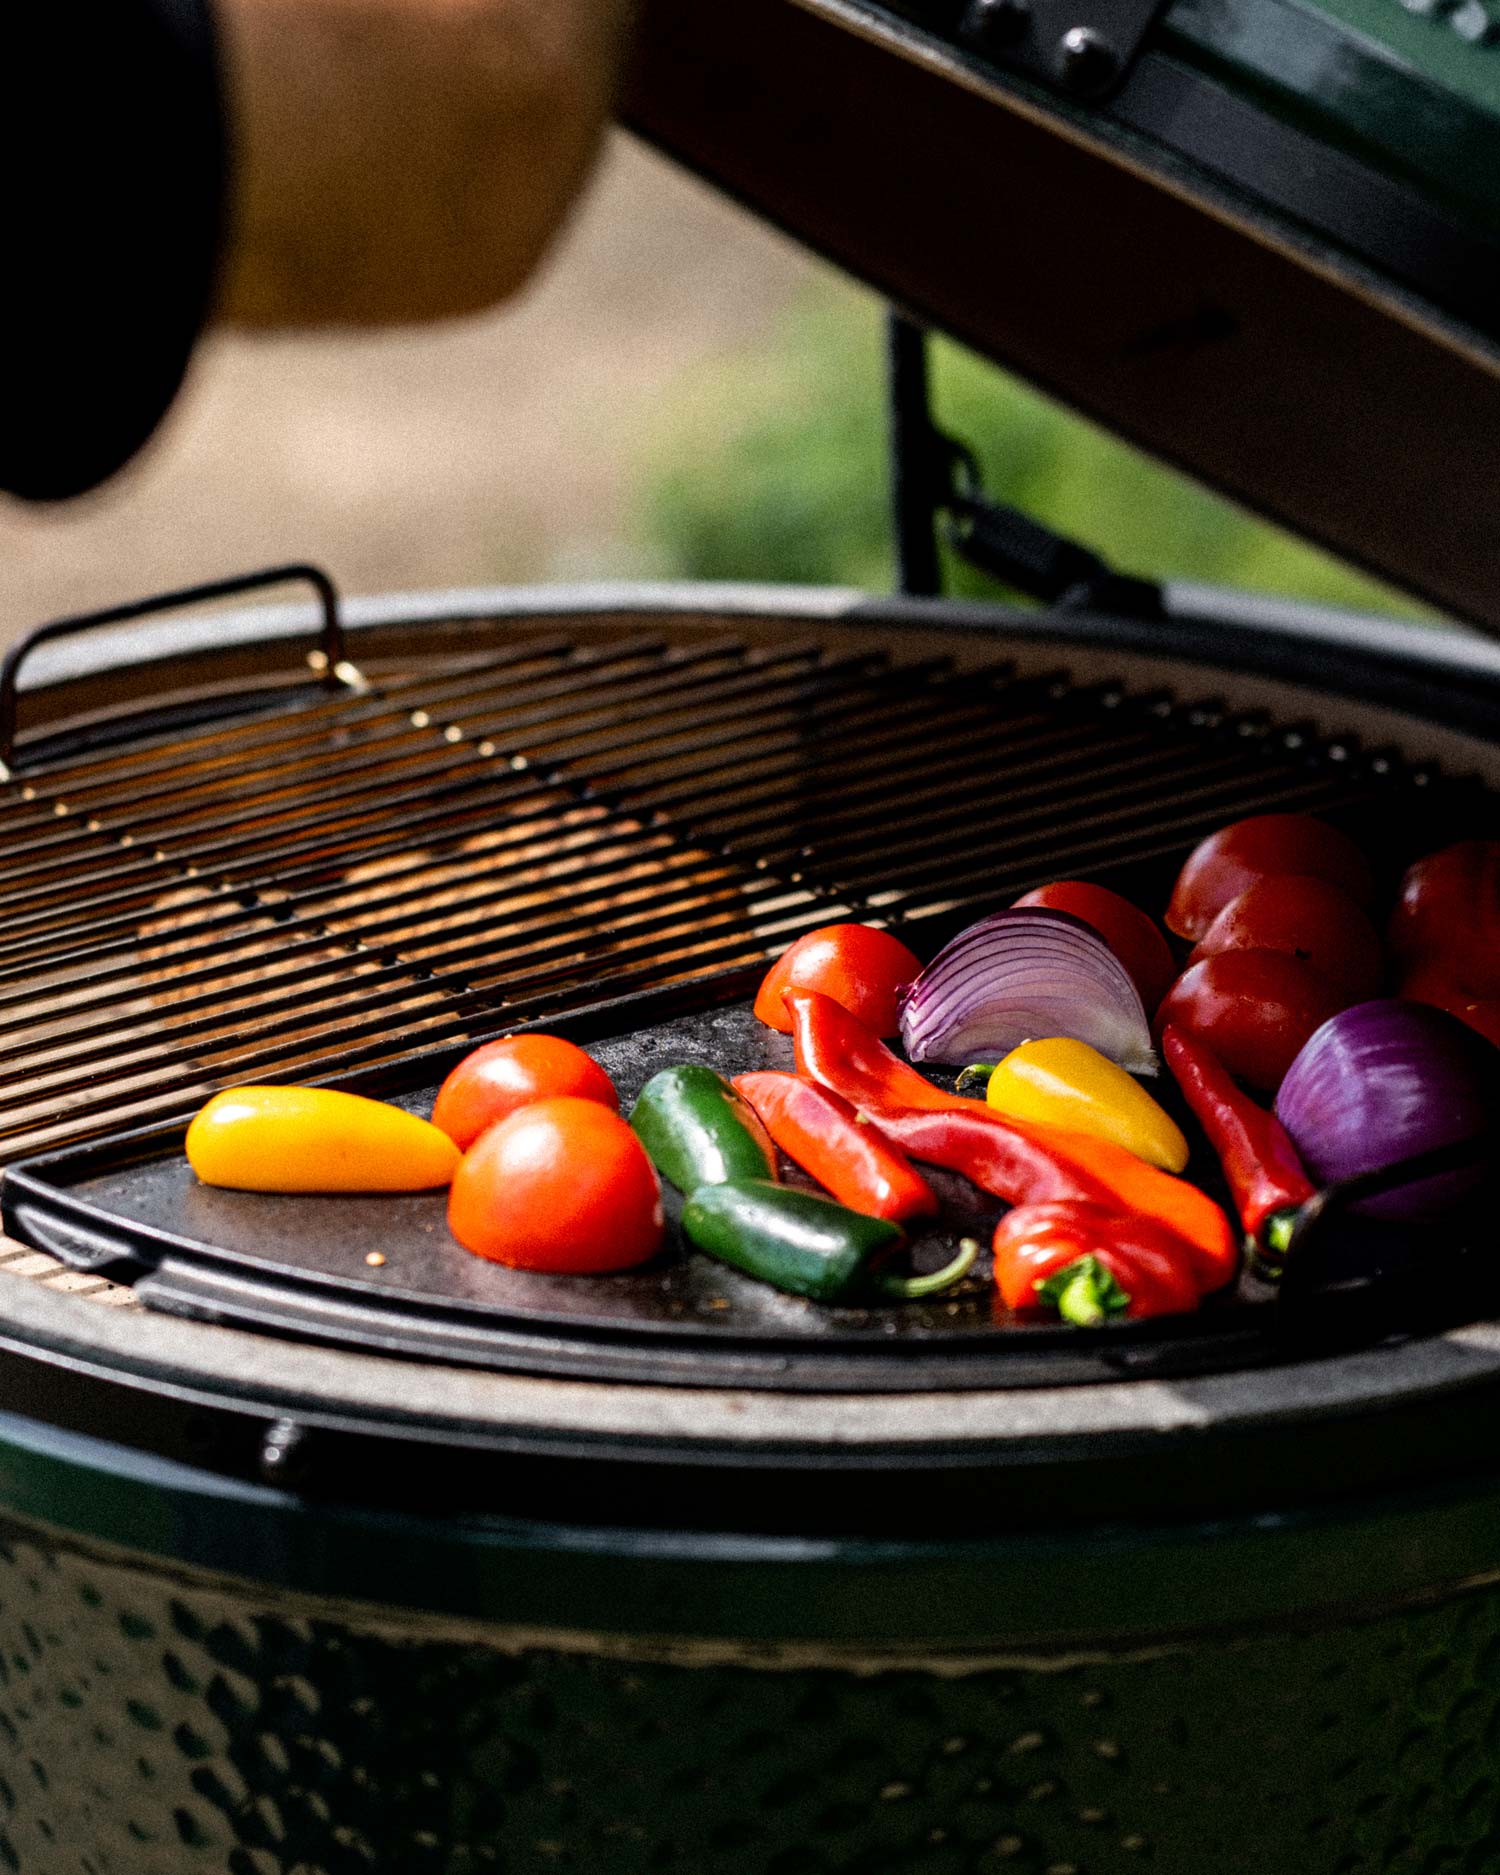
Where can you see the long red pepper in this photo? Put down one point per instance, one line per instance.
(825, 1136)
(1266, 1179)
(1022, 1162)
(1090, 1263)
(836, 1050)
(1031, 1164)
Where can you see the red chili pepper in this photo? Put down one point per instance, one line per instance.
(826, 1137)
(1091, 1263)
(1266, 1179)
(836, 1050)
(1022, 1162)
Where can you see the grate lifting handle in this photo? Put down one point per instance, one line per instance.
(329, 660)
(934, 476)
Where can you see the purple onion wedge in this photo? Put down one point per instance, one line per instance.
(1025, 975)
(1387, 1081)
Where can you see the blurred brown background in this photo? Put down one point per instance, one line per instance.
(684, 393)
(497, 449)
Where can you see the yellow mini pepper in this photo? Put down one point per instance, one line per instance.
(1067, 1083)
(293, 1139)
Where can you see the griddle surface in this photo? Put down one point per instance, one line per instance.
(132, 1209)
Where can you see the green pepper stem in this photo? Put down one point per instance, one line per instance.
(984, 1068)
(1084, 1293)
(911, 1288)
(1277, 1230)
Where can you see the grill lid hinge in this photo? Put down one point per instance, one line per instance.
(936, 477)
(1082, 47)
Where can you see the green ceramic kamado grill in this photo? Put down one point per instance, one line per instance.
(314, 1564)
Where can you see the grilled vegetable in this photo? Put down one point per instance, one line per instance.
(1306, 918)
(1020, 1162)
(1219, 868)
(1448, 916)
(1126, 929)
(498, 1079)
(1428, 983)
(1020, 974)
(1266, 1179)
(1255, 1009)
(1387, 1081)
(1066, 1083)
(561, 1185)
(698, 1130)
(304, 1139)
(807, 1245)
(1090, 1263)
(825, 1136)
(858, 965)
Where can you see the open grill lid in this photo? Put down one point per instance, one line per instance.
(1260, 239)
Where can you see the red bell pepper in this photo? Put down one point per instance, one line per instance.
(1265, 1175)
(1091, 1263)
(1022, 1162)
(826, 1137)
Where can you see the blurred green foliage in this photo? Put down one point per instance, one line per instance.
(772, 466)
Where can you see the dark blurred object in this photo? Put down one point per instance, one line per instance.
(112, 144)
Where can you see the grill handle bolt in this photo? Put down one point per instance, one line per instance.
(1087, 63)
(993, 24)
(284, 1457)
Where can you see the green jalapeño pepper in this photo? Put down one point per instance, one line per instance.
(699, 1131)
(807, 1245)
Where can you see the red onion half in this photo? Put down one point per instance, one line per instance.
(1025, 975)
(1383, 1082)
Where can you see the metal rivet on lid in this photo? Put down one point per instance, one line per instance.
(991, 23)
(1472, 21)
(283, 1454)
(1087, 62)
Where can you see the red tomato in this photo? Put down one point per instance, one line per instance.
(1220, 867)
(561, 1185)
(1126, 929)
(1428, 984)
(503, 1076)
(1255, 1009)
(1448, 914)
(861, 968)
(1306, 918)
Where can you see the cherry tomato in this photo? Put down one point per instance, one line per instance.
(1307, 918)
(1428, 984)
(1448, 914)
(1220, 867)
(861, 968)
(1255, 1009)
(503, 1076)
(1129, 932)
(561, 1185)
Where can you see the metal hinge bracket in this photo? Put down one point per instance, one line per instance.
(1082, 47)
(936, 482)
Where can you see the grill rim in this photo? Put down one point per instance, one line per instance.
(1423, 671)
(919, 1590)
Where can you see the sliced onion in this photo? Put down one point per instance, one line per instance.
(1025, 975)
(1384, 1082)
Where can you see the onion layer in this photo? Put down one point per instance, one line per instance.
(1025, 975)
(1383, 1082)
